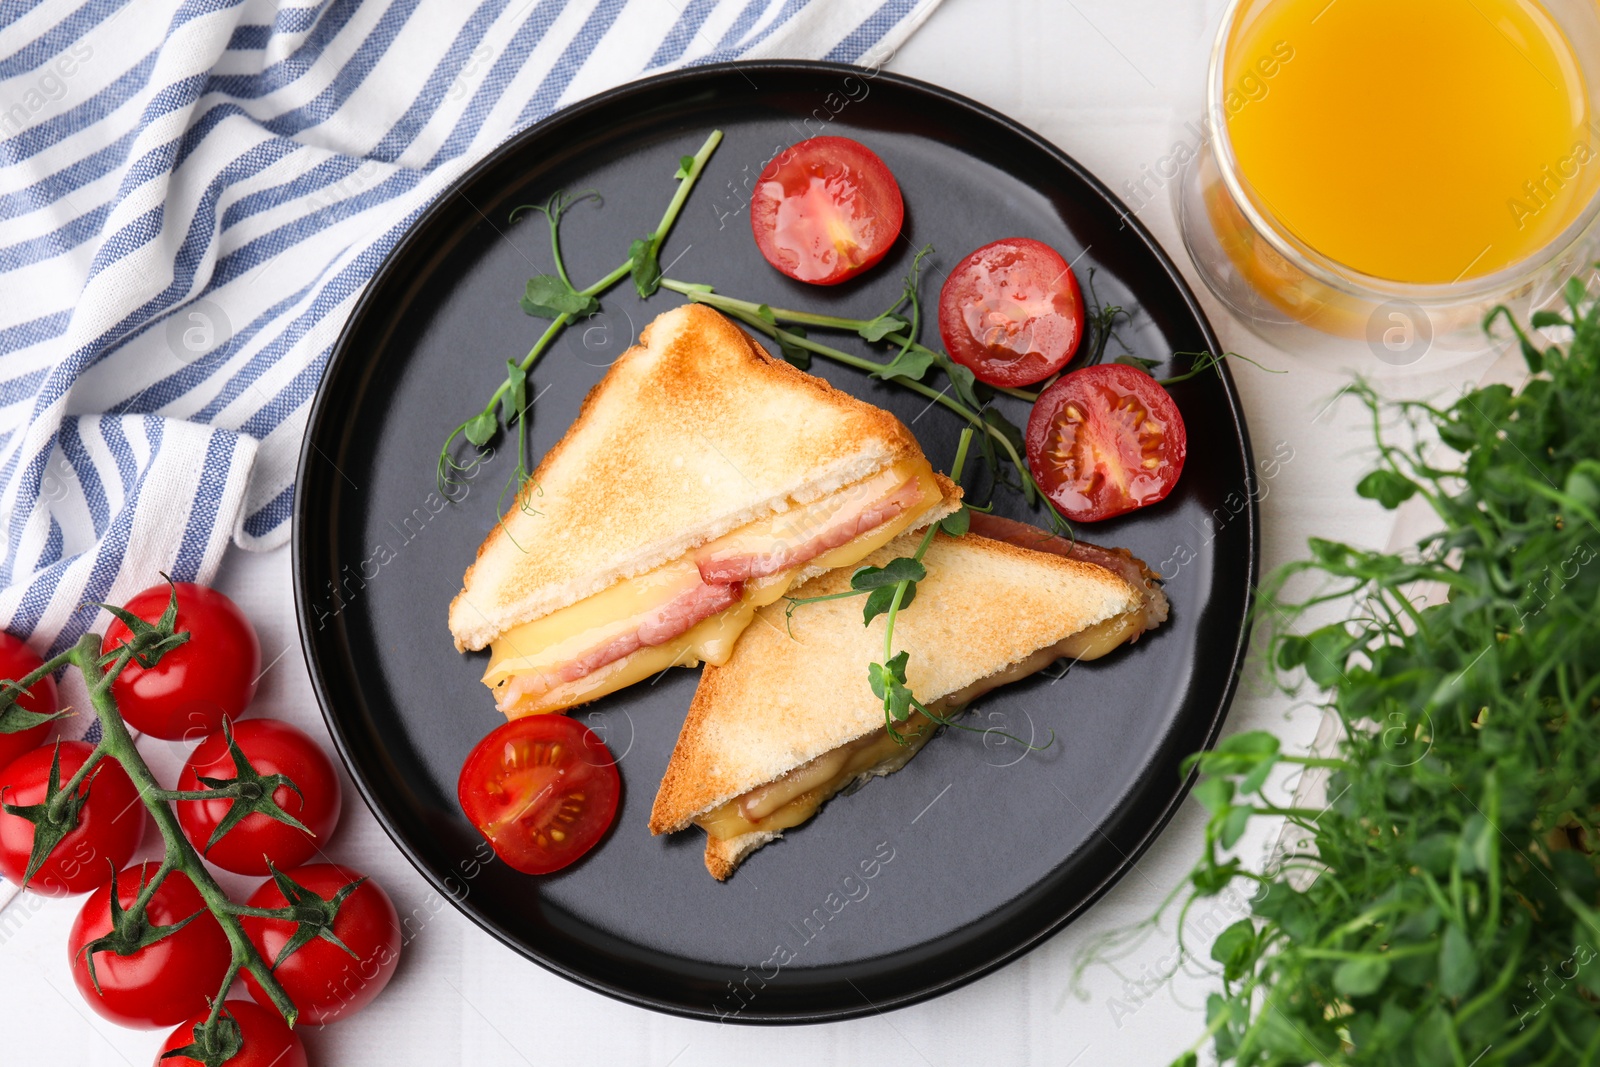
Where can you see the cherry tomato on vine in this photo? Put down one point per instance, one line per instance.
(825, 210)
(110, 823)
(267, 1042)
(325, 982)
(1011, 312)
(195, 686)
(270, 747)
(1105, 440)
(542, 790)
(17, 661)
(161, 984)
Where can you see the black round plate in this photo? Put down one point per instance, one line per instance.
(924, 880)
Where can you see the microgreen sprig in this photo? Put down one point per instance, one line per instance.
(555, 297)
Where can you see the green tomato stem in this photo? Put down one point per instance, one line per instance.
(116, 742)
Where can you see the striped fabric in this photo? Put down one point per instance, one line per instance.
(192, 195)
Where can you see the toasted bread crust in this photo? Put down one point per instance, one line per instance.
(782, 700)
(733, 434)
(724, 857)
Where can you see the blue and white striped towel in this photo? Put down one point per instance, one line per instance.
(192, 195)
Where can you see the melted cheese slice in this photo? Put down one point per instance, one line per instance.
(545, 644)
(795, 797)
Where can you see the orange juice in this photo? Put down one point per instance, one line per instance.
(1423, 141)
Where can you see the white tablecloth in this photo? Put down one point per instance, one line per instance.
(1113, 82)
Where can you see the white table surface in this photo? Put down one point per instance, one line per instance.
(1113, 82)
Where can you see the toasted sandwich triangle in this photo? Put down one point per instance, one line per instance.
(692, 433)
(797, 688)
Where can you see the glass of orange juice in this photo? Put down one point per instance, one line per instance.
(1387, 172)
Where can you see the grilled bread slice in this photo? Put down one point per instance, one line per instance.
(789, 720)
(693, 436)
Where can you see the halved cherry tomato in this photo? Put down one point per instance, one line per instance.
(267, 1042)
(195, 686)
(110, 823)
(17, 660)
(165, 983)
(542, 789)
(270, 747)
(1105, 440)
(1012, 312)
(825, 210)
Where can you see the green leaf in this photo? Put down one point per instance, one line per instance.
(964, 382)
(1458, 963)
(1252, 743)
(1211, 878)
(911, 364)
(1575, 292)
(1434, 853)
(897, 570)
(1214, 794)
(685, 168)
(1545, 319)
(1235, 949)
(1290, 651)
(1361, 977)
(1330, 647)
(481, 427)
(1387, 488)
(879, 599)
(1292, 912)
(897, 665)
(888, 682)
(1476, 847)
(958, 522)
(646, 269)
(516, 395)
(1012, 433)
(794, 354)
(1432, 1039)
(1233, 826)
(1583, 489)
(547, 296)
(1226, 1040)
(882, 326)
(1138, 362)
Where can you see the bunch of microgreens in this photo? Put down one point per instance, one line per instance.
(1452, 916)
(218, 1039)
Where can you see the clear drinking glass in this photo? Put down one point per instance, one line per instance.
(1304, 302)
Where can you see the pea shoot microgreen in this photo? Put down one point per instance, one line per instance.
(1443, 908)
(555, 297)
